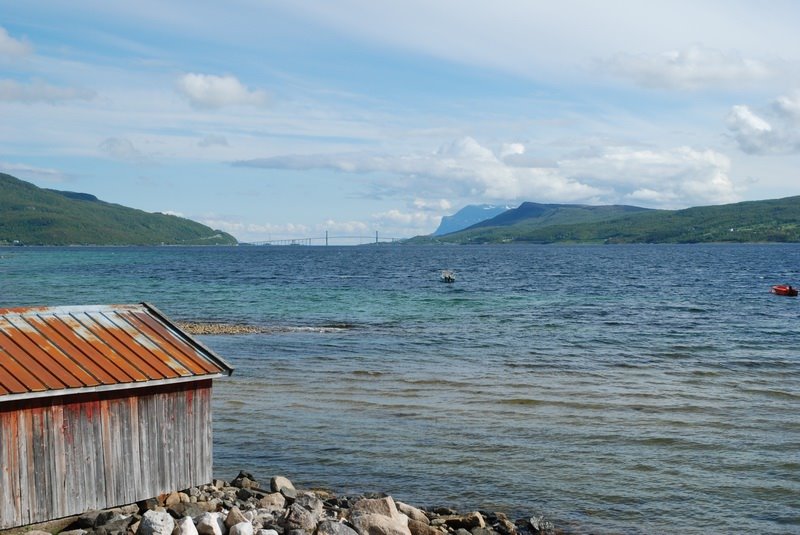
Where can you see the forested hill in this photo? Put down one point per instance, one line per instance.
(30, 215)
(775, 220)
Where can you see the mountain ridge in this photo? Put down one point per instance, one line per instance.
(31, 215)
(772, 220)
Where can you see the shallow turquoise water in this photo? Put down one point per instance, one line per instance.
(632, 389)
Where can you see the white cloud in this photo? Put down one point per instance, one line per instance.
(788, 106)
(668, 178)
(466, 170)
(695, 67)
(123, 150)
(25, 172)
(771, 131)
(434, 205)
(208, 91)
(11, 47)
(38, 91)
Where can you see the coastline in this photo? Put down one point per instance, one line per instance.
(244, 507)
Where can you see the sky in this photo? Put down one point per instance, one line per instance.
(279, 120)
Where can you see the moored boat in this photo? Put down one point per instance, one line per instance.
(784, 289)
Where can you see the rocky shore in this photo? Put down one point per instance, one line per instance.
(245, 507)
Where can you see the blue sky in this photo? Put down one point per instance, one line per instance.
(279, 120)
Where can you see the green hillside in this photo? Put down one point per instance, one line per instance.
(36, 216)
(753, 221)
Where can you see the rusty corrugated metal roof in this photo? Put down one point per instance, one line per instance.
(58, 350)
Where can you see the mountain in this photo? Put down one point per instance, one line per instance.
(776, 220)
(468, 216)
(35, 216)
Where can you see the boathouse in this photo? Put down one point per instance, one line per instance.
(100, 406)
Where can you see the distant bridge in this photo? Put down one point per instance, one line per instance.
(329, 240)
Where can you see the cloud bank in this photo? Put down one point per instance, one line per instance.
(695, 67)
(466, 170)
(38, 91)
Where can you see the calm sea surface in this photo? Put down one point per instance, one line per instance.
(616, 389)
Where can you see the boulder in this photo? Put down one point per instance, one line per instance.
(266, 532)
(180, 510)
(332, 527)
(210, 524)
(156, 523)
(311, 503)
(468, 521)
(242, 528)
(300, 518)
(245, 480)
(412, 513)
(379, 506)
(279, 482)
(377, 524)
(422, 528)
(185, 527)
(235, 516)
(273, 502)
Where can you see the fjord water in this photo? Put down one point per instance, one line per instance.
(616, 389)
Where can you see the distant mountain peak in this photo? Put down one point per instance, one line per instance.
(469, 215)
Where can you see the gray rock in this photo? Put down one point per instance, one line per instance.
(468, 521)
(289, 494)
(380, 506)
(331, 527)
(300, 518)
(273, 502)
(234, 517)
(311, 503)
(244, 480)
(279, 482)
(266, 532)
(185, 527)
(210, 524)
(504, 526)
(87, 520)
(242, 528)
(72, 532)
(422, 528)
(180, 510)
(156, 523)
(482, 531)
(412, 512)
(378, 524)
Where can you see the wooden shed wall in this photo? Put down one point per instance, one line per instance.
(68, 455)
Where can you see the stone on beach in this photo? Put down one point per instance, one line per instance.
(156, 523)
(186, 527)
(378, 517)
(278, 483)
(210, 524)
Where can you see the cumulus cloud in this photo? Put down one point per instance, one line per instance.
(788, 106)
(668, 178)
(11, 47)
(123, 150)
(208, 91)
(38, 91)
(696, 67)
(773, 130)
(466, 170)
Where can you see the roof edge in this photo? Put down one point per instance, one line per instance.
(104, 388)
(227, 369)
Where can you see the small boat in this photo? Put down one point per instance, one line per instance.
(784, 289)
(448, 276)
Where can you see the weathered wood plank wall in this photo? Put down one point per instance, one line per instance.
(65, 456)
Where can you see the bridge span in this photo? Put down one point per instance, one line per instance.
(328, 240)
